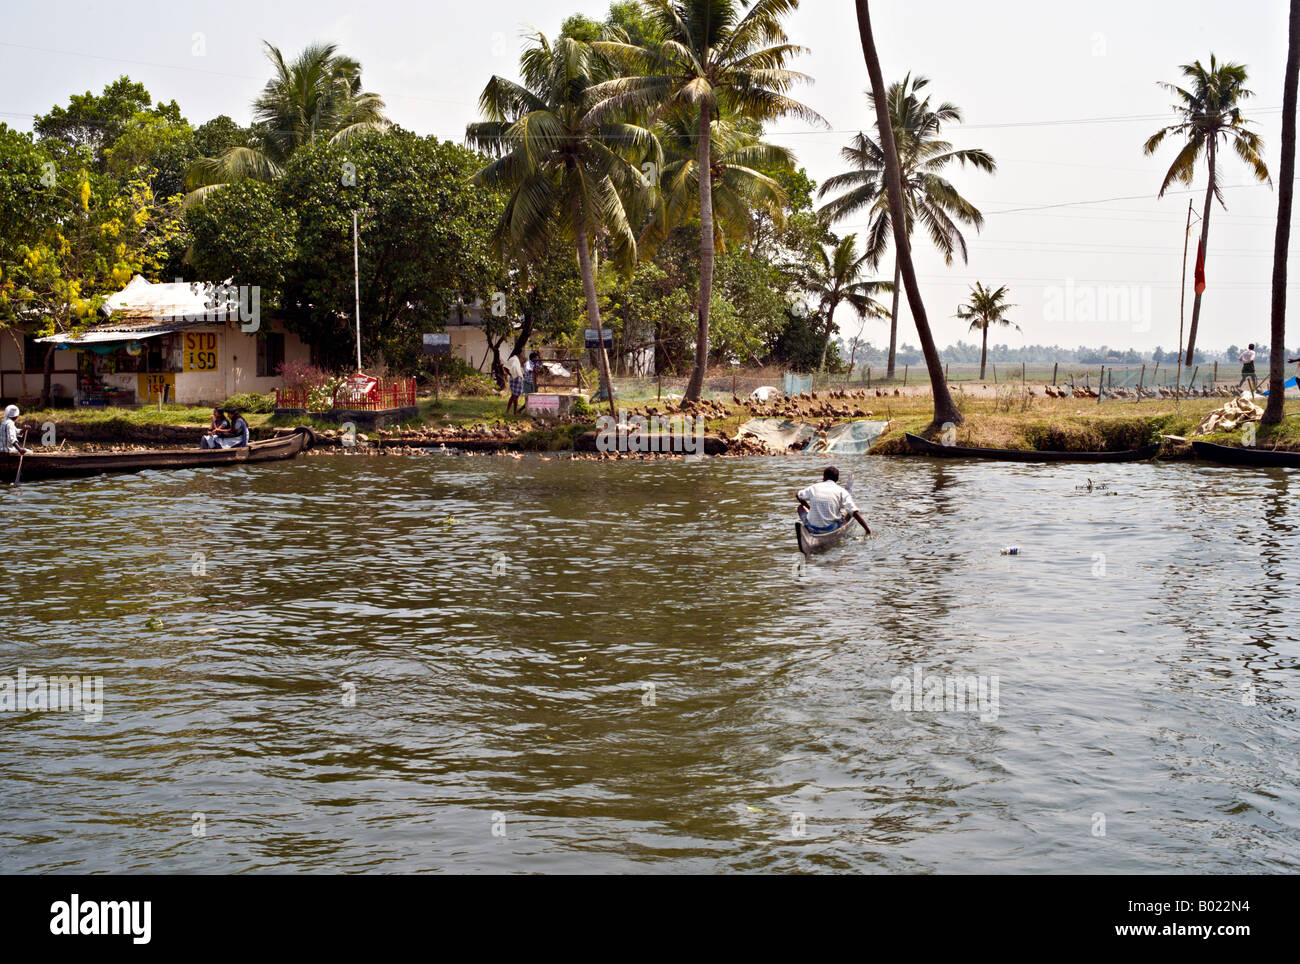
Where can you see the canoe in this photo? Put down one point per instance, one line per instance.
(810, 542)
(71, 465)
(922, 446)
(1233, 455)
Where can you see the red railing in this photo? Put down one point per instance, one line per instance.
(356, 393)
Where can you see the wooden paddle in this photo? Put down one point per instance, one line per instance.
(21, 455)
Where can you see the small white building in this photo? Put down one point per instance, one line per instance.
(187, 343)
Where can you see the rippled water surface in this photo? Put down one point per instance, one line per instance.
(574, 666)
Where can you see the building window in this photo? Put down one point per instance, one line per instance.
(270, 354)
(33, 355)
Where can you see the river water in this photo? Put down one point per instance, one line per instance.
(496, 664)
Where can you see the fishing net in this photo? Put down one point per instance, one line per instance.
(782, 435)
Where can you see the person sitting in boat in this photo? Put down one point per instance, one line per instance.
(220, 426)
(825, 505)
(9, 444)
(236, 437)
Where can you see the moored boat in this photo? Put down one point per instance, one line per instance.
(71, 465)
(1235, 455)
(921, 446)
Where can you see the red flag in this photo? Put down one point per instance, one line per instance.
(1200, 267)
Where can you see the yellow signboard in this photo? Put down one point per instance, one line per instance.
(150, 388)
(200, 351)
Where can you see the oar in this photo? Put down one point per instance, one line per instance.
(21, 455)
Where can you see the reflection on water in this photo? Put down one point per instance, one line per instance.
(558, 665)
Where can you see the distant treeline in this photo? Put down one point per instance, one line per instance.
(963, 353)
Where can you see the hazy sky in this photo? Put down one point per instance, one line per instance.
(1062, 95)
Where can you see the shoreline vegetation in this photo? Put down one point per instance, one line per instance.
(1028, 419)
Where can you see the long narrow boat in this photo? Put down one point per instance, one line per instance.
(922, 446)
(1232, 455)
(71, 465)
(810, 542)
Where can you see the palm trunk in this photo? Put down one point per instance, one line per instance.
(893, 317)
(830, 327)
(1205, 253)
(593, 313)
(945, 410)
(695, 386)
(1285, 192)
(984, 350)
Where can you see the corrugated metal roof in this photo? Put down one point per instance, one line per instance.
(145, 310)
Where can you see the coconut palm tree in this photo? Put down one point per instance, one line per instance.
(1209, 115)
(1282, 237)
(986, 307)
(716, 60)
(835, 278)
(317, 97)
(738, 184)
(945, 409)
(566, 175)
(929, 197)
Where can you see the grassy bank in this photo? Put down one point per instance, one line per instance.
(1005, 422)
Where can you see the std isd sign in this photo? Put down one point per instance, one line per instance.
(200, 351)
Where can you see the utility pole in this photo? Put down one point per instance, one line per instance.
(1182, 300)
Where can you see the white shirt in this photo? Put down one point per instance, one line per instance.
(829, 503)
(513, 367)
(8, 436)
(1246, 357)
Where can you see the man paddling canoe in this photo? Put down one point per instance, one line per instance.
(824, 505)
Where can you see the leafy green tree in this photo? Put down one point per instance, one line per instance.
(95, 121)
(424, 241)
(218, 135)
(315, 98)
(153, 148)
(566, 174)
(1209, 114)
(928, 196)
(97, 235)
(713, 60)
(984, 308)
(249, 235)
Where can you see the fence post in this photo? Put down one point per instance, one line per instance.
(905, 367)
(945, 371)
(1216, 374)
(1054, 364)
(995, 372)
(1101, 384)
(1022, 376)
(1142, 377)
(868, 376)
